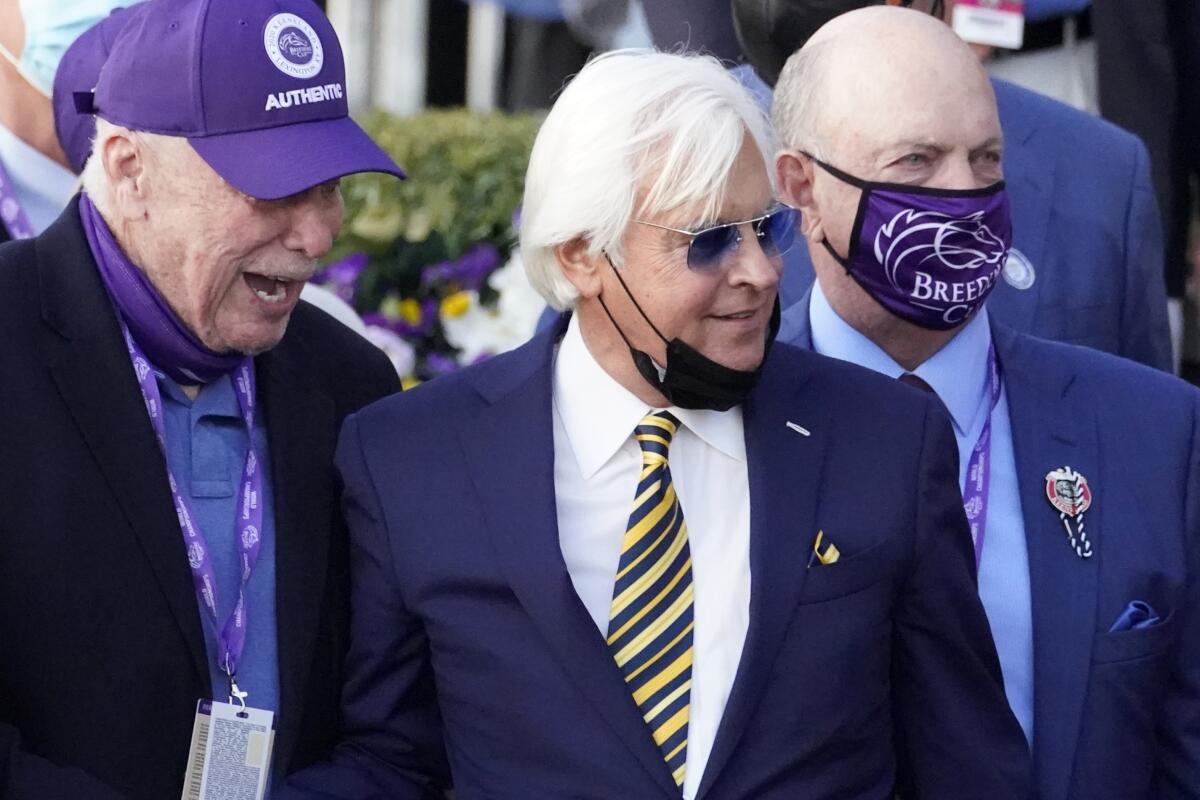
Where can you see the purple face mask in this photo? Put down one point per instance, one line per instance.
(929, 256)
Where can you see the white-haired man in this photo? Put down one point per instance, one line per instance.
(1079, 469)
(169, 533)
(648, 554)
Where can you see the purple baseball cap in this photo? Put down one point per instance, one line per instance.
(78, 71)
(257, 87)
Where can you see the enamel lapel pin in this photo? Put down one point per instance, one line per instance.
(1069, 493)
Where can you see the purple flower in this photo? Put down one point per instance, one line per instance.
(468, 271)
(439, 364)
(396, 326)
(342, 276)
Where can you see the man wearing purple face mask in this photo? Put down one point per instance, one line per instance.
(1080, 470)
(171, 551)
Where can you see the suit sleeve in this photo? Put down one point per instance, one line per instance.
(26, 777)
(391, 738)
(1177, 772)
(1145, 332)
(952, 718)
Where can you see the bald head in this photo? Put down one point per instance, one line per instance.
(878, 73)
(881, 95)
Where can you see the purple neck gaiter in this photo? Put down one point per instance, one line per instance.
(164, 339)
(929, 256)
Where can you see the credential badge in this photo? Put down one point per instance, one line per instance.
(1069, 493)
(293, 46)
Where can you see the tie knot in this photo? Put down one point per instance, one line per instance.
(916, 381)
(654, 433)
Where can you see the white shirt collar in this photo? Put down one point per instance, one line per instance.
(599, 414)
(43, 186)
(957, 372)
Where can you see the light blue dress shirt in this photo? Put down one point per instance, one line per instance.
(958, 374)
(43, 187)
(206, 450)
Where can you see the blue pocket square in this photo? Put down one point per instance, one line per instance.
(1137, 615)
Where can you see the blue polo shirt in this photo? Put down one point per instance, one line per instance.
(206, 450)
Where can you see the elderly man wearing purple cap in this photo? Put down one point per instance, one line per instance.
(169, 534)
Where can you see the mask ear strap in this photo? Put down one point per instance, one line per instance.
(845, 262)
(8, 56)
(844, 177)
(614, 322)
(632, 299)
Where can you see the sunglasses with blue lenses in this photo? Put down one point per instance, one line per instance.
(710, 248)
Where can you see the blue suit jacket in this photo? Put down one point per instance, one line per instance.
(1115, 714)
(472, 653)
(1085, 216)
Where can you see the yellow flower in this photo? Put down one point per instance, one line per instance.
(409, 311)
(409, 381)
(456, 305)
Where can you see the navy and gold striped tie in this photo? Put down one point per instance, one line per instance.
(650, 623)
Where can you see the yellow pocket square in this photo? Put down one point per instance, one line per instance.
(827, 556)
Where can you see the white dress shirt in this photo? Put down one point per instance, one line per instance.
(43, 187)
(596, 469)
(958, 375)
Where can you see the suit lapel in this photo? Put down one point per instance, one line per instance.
(92, 371)
(783, 467)
(301, 433)
(1030, 181)
(1050, 432)
(509, 447)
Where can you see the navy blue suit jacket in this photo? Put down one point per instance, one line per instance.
(1115, 714)
(1085, 216)
(471, 652)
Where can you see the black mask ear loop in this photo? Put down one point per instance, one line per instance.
(632, 299)
(857, 183)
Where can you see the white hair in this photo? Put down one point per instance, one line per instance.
(799, 99)
(95, 180)
(658, 130)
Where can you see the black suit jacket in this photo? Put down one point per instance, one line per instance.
(102, 655)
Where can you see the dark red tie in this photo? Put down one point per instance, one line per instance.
(917, 382)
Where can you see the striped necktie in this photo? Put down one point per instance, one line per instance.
(650, 623)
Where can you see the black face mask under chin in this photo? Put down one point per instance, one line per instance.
(691, 379)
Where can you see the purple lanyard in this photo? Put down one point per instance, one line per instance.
(12, 215)
(975, 493)
(232, 637)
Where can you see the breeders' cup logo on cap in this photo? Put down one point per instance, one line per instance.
(293, 46)
(925, 244)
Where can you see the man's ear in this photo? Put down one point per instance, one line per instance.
(124, 160)
(794, 174)
(579, 266)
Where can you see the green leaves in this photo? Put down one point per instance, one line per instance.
(466, 176)
(440, 233)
